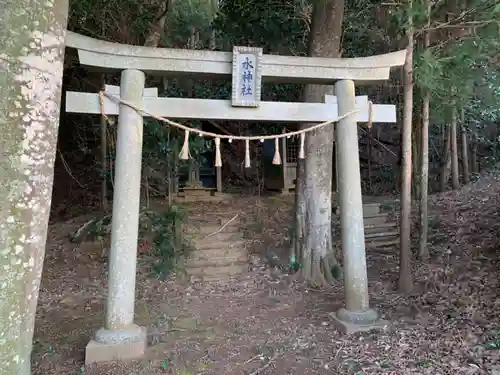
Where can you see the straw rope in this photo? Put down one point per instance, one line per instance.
(184, 154)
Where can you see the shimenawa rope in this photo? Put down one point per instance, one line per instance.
(184, 154)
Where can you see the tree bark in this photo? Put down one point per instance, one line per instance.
(455, 182)
(32, 44)
(473, 157)
(424, 177)
(416, 144)
(465, 153)
(213, 36)
(158, 27)
(104, 156)
(314, 174)
(424, 181)
(369, 135)
(405, 283)
(153, 40)
(446, 166)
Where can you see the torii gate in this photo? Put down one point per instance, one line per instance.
(121, 338)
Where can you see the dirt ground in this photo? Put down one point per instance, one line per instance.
(267, 323)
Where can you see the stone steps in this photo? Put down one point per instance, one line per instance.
(385, 244)
(201, 239)
(211, 273)
(381, 228)
(202, 262)
(213, 230)
(220, 250)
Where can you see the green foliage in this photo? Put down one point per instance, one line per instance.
(105, 19)
(279, 27)
(358, 36)
(427, 68)
(164, 228)
(186, 19)
(276, 26)
(460, 67)
(168, 244)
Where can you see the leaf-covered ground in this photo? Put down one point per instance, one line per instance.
(267, 323)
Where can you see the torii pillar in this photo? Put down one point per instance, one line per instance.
(120, 338)
(356, 315)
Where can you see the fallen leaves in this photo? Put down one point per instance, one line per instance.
(451, 325)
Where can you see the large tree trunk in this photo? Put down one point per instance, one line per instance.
(32, 43)
(314, 182)
(405, 283)
(424, 167)
(455, 182)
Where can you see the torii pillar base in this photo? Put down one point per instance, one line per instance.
(123, 345)
(349, 322)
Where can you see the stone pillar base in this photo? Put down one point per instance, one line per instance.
(116, 346)
(349, 322)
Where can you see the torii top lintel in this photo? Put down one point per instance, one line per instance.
(174, 62)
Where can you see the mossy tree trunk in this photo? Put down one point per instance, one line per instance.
(314, 183)
(32, 44)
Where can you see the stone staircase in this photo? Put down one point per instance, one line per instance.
(381, 228)
(220, 253)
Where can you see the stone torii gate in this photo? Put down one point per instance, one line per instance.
(120, 338)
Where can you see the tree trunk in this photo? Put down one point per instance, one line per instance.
(465, 154)
(213, 37)
(455, 182)
(314, 174)
(446, 162)
(104, 156)
(152, 40)
(158, 26)
(473, 157)
(416, 143)
(32, 44)
(424, 181)
(370, 150)
(405, 283)
(424, 167)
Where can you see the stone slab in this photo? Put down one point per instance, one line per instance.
(349, 328)
(97, 352)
